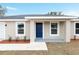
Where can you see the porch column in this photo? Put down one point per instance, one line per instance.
(32, 31)
(68, 31)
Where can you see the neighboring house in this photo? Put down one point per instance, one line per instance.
(51, 27)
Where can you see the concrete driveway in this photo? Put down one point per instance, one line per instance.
(71, 48)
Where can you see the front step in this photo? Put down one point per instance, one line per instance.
(39, 40)
(49, 40)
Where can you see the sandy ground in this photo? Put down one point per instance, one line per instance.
(71, 48)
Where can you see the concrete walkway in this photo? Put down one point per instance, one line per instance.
(31, 46)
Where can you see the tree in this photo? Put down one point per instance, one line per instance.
(3, 10)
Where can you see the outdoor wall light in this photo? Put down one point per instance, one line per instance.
(5, 24)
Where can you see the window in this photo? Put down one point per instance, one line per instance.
(54, 28)
(20, 28)
(76, 28)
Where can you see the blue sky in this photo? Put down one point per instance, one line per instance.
(40, 8)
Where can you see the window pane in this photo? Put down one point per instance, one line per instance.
(77, 31)
(20, 31)
(21, 26)
(53, 28)
(77, 25)
(53, 25)
(53, 31)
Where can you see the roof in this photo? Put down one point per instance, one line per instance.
(33, 15)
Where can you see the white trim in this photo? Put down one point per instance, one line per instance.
(14, 20)
(75, 29)
(24, 29)
(49, 17)
(5, 30)
(3, 23)
(32, 31)
(74, 20)
(57, 29)
(42, 28)
(68, 31)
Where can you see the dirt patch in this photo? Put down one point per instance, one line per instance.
(71, 48)
(23, 52)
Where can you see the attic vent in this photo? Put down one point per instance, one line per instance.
(55, 13)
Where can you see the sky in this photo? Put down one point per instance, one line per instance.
(41, 8)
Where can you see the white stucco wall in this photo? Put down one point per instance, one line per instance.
(11, 30)
(72, 30)
(61, 31)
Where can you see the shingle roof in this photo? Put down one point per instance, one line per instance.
(23, 16)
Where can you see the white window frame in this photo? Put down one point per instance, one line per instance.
(17, 29)
(75, 29)
(57, 29)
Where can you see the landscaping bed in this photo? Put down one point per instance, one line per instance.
(14, 41)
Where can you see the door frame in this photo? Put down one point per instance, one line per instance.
(42, 29)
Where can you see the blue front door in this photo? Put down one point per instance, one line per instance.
(39, 30)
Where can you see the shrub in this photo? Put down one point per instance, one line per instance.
(24, 38)
(10, 38)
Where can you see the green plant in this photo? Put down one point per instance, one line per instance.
(10, 38)
(24, 38)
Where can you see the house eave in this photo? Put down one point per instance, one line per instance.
(56, 17)
(14, 20)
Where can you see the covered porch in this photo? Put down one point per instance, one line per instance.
(50, 30)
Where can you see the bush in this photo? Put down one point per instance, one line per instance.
(10, 38)
(25, 38)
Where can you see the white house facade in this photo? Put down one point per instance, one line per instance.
(48, 27)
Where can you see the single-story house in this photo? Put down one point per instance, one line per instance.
(51, 27)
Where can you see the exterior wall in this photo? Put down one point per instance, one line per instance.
(72, 30)
(61, 32)
(32, 31)
(2, 31)
(11, 30)
(68, 30)
(28, 30)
